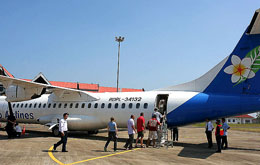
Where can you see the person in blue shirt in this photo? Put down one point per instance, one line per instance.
(224, 137)
(112, 134)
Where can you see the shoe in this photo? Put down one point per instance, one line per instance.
(115, 150)
(105, 149)
(64, 151)
(135, 146)
(218, 151)
(130, 148)
(54, 147)
(125, 147)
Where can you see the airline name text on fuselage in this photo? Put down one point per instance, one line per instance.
(18, 115)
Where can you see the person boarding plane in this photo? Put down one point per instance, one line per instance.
(230, 88)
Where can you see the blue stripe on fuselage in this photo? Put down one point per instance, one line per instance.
(212, 106)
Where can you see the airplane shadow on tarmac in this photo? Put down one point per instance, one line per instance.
(199, 151)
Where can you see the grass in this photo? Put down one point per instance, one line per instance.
(237, 127)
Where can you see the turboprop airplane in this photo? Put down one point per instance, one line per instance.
(230, 88)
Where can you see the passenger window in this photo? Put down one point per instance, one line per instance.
(116, 105)
(21, 105)
(35, 105)
(123, 106)
(83, 105)
(109, 105)
(13, 105)
(65, 105)
(30, 106)
(130, 105)
(17, 105)
(59, 106)
(137, 105)
(25, 106)
(54, 105)
(77, 105)
(49, 105)
(103, 105)
(71, 105)
(89, 105)
(39, 105)
(145, 105)
(96, 105)
(44, 105)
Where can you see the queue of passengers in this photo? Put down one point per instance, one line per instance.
(153, 126)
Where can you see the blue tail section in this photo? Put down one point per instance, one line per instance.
(230, 88)
(236, 74)
(240, 75)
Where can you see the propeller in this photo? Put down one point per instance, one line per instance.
(10, 110)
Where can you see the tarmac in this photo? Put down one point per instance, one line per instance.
(35, 148)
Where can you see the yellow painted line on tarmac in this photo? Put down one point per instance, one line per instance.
(52, 157)
(100, 157)
(105, 156)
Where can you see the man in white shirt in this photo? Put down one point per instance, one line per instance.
(209, 129)
(63, 128)
(131, 132)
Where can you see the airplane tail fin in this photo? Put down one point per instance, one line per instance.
(237, 73)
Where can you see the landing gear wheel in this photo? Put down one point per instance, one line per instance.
(92, 132)
(55, 131)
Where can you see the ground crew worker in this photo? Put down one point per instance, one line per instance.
(175, 133)
(112, 133)
(208, 131)
(18, 130)
(152, 126)
(9, 128)
(219, 132)
(224, 137)
(140, 129)
(131, 132)
(63, 128)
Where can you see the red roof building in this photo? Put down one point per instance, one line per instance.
(241, 119)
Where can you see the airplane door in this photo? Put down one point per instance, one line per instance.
(161, 103)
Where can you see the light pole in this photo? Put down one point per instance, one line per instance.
(119, 39)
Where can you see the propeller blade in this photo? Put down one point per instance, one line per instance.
(10, 110)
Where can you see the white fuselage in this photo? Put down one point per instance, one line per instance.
(91, 115)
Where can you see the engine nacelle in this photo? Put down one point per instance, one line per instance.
(18, 93)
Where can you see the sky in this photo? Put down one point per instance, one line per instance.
(166, 42)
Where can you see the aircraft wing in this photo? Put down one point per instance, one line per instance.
(25, 90)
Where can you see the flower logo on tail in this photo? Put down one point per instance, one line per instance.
(244, 69)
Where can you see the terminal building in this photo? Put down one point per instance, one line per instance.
(40, 78)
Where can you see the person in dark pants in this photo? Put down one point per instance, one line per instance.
(10, 126)
(224, 137)
(175, 133)
(218, 135)
(131, 132)
(208, 131)
(112, 134)
(63, 128)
